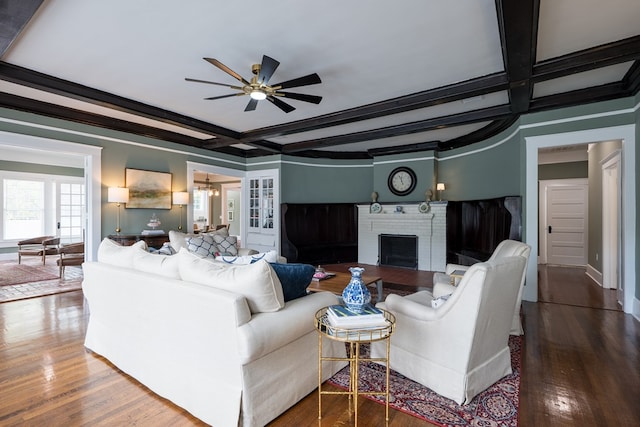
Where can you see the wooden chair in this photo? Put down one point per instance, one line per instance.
(71, 254)
(38, 246)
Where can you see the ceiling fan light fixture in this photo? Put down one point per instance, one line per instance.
(258, 94)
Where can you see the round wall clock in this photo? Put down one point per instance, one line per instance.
(402, 181)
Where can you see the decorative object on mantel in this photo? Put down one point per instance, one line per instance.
(117, 195)
(440, 188)
(425, 207)
(154, 222)
(180, 198)
(375, 206)
(356, 294)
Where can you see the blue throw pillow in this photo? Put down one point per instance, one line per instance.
(295, 278)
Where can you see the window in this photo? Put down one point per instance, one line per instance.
(71, 222)
(201, 207)
(38, 205)
(23, 209)
(261, 193)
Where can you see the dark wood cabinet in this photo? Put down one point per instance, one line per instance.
(476, 227)
(153, 241)
(315, 233)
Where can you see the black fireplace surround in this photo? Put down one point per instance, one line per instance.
(396, 250)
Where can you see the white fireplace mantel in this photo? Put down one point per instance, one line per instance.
(430, 227)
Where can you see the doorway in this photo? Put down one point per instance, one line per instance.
(627, 135)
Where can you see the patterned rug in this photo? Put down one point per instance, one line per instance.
(13, 274)
(496, 407)
(31, 279)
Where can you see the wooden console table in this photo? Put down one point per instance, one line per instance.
(153, 240)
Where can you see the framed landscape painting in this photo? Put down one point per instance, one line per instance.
(148, 189)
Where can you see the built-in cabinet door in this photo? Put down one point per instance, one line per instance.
(263, 202)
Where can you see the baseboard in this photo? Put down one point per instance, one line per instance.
(9, 256)
(635, 310)
(595, 275)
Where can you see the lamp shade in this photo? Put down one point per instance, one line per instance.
(180, 198)
(117, 195)
(440, 186)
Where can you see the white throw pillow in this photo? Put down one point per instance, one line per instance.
(257, 282)
(178, 239)
(163, 265)
(112, 253)
(271, 256)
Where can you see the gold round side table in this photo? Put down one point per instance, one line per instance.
(353, 337)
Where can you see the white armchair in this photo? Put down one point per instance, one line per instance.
(442, 283)
(460, 348)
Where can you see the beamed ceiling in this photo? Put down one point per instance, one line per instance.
(397, 77)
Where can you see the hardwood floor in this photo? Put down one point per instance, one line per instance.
(581, 367)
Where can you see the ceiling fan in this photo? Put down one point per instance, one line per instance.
(259, 89)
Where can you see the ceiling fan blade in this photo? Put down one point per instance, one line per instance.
(267, 68)
(253, 103)
(213, 83)
(225, 96)
(301, 97)
(226, 69)
(280, 104)
(311, 79)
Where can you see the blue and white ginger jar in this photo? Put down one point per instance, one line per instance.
(356, 295)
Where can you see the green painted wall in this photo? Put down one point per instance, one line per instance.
(569, 170)
(43, 169)
(423, 164)
(489, 169)
(322, 181)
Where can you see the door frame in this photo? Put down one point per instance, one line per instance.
(217, 170)
(625, 133)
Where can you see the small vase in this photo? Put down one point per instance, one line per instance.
(356, 295)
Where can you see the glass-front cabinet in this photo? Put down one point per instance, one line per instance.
(263, 227)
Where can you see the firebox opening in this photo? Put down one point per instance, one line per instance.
(398, 251)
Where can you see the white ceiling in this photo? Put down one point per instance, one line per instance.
(364, 51)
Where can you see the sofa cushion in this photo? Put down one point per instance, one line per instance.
(112, 253)
(163, 265)
(257, 282)
(295, 279)
(226, 245)
(203, 245)
(271, 256)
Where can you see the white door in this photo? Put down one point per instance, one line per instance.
(566, 221)
(262, 203)
(611, 203)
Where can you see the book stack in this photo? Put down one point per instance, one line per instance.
(340, 316)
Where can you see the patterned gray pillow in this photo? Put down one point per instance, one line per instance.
(202, 245)
(226, 245)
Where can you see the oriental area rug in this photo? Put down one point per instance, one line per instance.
(497, 406)
(32, 279)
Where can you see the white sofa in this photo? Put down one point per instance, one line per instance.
(227, 349)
